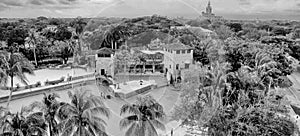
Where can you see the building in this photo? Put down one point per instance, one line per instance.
(208, 14)
(169, 59)
(104, 61)
(177, 56)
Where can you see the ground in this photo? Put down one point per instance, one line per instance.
(166, 96)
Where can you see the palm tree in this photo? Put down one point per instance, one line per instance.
(84, 115)
(23, 124)
(115, 35)
(14, 65)
(264, 65)
(145, 117)
(49, 109)
(33, 41)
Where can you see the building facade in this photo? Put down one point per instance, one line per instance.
(104, 62)
(209, 13)
(177, 57)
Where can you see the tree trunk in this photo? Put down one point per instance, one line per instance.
(153, 68)
(34, 55)
(11, 90)
(50, 129)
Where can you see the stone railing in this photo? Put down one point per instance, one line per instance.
(47, 83)
(45, 89)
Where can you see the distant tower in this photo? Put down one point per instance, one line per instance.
(208, 8)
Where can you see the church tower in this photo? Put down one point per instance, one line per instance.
(208, 8)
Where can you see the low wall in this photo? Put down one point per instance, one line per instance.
(33, 86)
(136, 92)
(48, 89)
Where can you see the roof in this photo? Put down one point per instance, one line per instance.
(105, 50)
(177, 46)
(151, 52)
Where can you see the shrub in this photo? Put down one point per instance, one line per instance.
(38, 84)
(47, 82)
(256, 120)
(69, 78)
(17, 86)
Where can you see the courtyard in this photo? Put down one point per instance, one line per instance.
(166, 96)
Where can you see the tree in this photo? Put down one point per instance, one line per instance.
(235, 27)
(296, 33)
(49, 109)
(23, 124)
(14, 65)
(144, 117)
(279, 31)
(223, 32)
(32, 40)
(83, 115)
(79, 25)
(121, 59)
(15, 35)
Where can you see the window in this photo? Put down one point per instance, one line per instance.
(178, 52)
(170, 67)
(188, 51)
(177, 66)
(183, 51)
(187, 66)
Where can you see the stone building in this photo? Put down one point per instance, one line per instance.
(104, 62)
(177, 56)
(208, 14)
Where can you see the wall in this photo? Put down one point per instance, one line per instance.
(173, 59)
(105, 63)
(47, 89)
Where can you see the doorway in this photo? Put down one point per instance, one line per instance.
(102, 72)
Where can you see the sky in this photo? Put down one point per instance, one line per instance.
(231, 9)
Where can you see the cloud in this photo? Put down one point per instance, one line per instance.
(11, 2)
(36, 2)
(41, 2)
(244, 2)
(131, 8)
(3, 7)
(69, 2)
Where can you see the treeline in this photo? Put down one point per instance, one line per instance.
(42, 38)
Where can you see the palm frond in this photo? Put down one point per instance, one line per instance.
(127, 121)
(128, 108)
(158, 124)
(132, 130)
(100, 110)
(150, 129)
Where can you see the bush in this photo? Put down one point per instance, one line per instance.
(38, 84)
(257, 120)
(17, 86)
(46, 82)
(69, 78)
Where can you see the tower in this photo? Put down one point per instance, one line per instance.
(208, 8)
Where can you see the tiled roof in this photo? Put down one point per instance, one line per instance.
(177, 46)
(105, 50)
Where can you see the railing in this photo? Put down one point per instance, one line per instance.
(47, 83)
(37, 91)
